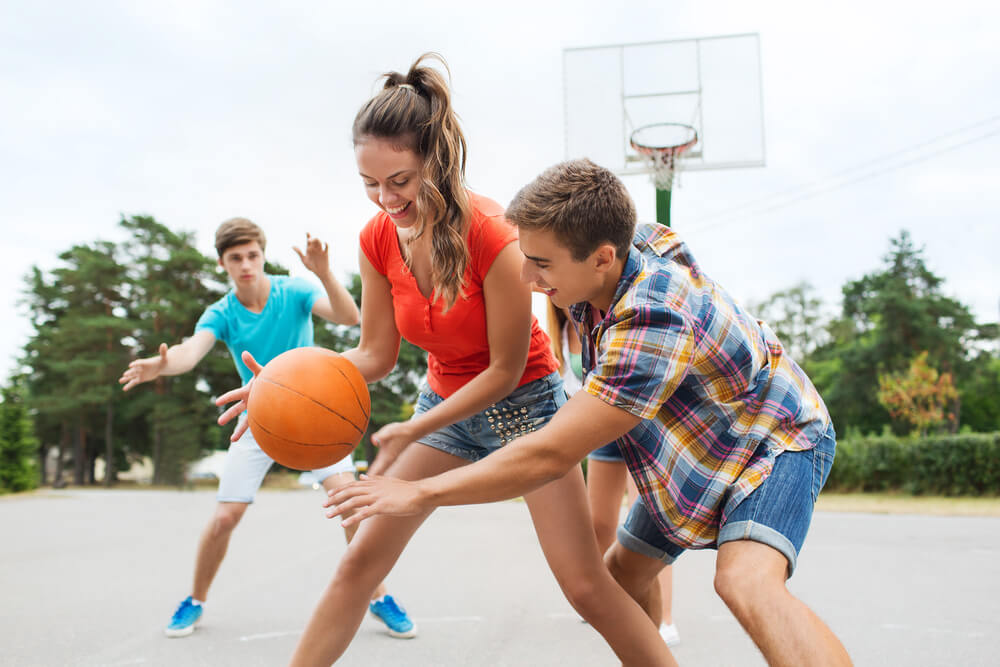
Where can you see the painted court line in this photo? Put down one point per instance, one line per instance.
(269, 635)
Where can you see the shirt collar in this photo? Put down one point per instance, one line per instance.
(633, 264)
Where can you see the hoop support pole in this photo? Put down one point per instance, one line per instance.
(663, 207)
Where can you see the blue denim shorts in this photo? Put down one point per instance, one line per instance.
(526, 409)
(610, 452)
(777, 513)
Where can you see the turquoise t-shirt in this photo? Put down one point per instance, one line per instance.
(285, 322)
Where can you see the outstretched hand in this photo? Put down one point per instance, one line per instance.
(391, 439)
(376, 495)
(316, 258)
(241, 395)
(144, 370)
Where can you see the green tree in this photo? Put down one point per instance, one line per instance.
(795, 315)
(170, 283)
(980, 394)
(18, 445)
(888, 318)
(76, 349)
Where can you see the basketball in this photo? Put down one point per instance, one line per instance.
(308, 408)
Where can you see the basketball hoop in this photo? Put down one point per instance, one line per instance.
(659, 145)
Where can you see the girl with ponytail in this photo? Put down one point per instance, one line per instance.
(441, 266)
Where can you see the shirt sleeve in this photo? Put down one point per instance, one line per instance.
(373, 244)
(214, 320)
(641, 359)
(486, 240)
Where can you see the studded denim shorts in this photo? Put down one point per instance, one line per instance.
(526, 409)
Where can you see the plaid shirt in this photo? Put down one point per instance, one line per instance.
(718, 397)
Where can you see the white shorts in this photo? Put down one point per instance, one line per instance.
(245, 467)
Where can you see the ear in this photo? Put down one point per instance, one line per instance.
(604, 257)
(221, 265)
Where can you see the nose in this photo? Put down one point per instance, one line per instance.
(528, 273)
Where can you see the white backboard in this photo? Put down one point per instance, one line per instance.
(710, 83)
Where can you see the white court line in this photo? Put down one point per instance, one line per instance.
(269, 635)
(450, 619)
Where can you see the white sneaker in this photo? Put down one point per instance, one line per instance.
(670, 635)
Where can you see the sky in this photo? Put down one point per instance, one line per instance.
(879, 117)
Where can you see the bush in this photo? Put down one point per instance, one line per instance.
(18, 446)
(951, 465)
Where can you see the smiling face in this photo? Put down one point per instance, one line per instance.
(551, 267)
(244, 263)
(391, 176)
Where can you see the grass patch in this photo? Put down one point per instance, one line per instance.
(901, 503)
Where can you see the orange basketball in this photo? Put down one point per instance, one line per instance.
(308, 408)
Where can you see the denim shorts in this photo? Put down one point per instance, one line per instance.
(246, 464)
(526, 409)
(610, 452)
(777, 513)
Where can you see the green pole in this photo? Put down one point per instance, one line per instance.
(663, 207)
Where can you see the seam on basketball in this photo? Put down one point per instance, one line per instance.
(310, 398)
(344, 375)
(296, 442)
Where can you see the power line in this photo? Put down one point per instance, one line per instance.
(800, 193)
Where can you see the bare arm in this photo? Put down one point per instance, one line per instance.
(508, 323)
(337, 306)
(173, 360)
(582, 425)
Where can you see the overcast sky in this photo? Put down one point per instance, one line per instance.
(197, 111)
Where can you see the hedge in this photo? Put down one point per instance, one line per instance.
(950, 465)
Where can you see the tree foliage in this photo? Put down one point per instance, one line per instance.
(919, 396)
(888, 318)
(17, 441)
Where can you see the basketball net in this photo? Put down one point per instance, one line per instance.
(659, 145)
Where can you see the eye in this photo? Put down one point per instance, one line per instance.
(400, 184)
(369, 184)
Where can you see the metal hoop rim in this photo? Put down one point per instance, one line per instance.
(675, 149)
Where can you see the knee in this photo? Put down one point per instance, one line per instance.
(626, 577)
(739, 586)
(226, 518)
(583, 594)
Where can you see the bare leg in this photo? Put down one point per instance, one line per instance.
(370, 556)
(750, 578)
(562, 521)
(335, 482)
(605, 490)
(213, 544)
(637, 575)
(662, 598)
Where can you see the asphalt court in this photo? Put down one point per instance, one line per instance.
(90, 577)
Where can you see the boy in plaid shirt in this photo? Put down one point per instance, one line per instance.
(726, 438)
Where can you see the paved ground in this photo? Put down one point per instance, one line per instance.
(90, 577)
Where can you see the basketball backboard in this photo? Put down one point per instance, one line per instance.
(710, 83)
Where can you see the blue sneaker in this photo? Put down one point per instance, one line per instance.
(184, 620)
(394, 617)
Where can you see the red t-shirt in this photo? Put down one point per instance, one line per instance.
(456, 342)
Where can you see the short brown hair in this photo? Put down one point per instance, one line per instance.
(237, 231)
(583, 204)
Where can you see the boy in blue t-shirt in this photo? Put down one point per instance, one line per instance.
(265, 315)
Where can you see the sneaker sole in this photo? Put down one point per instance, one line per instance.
(182, 632)
(409, 634)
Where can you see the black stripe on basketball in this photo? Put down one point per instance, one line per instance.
(257, 425)
(356, 397)
(310, 398)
